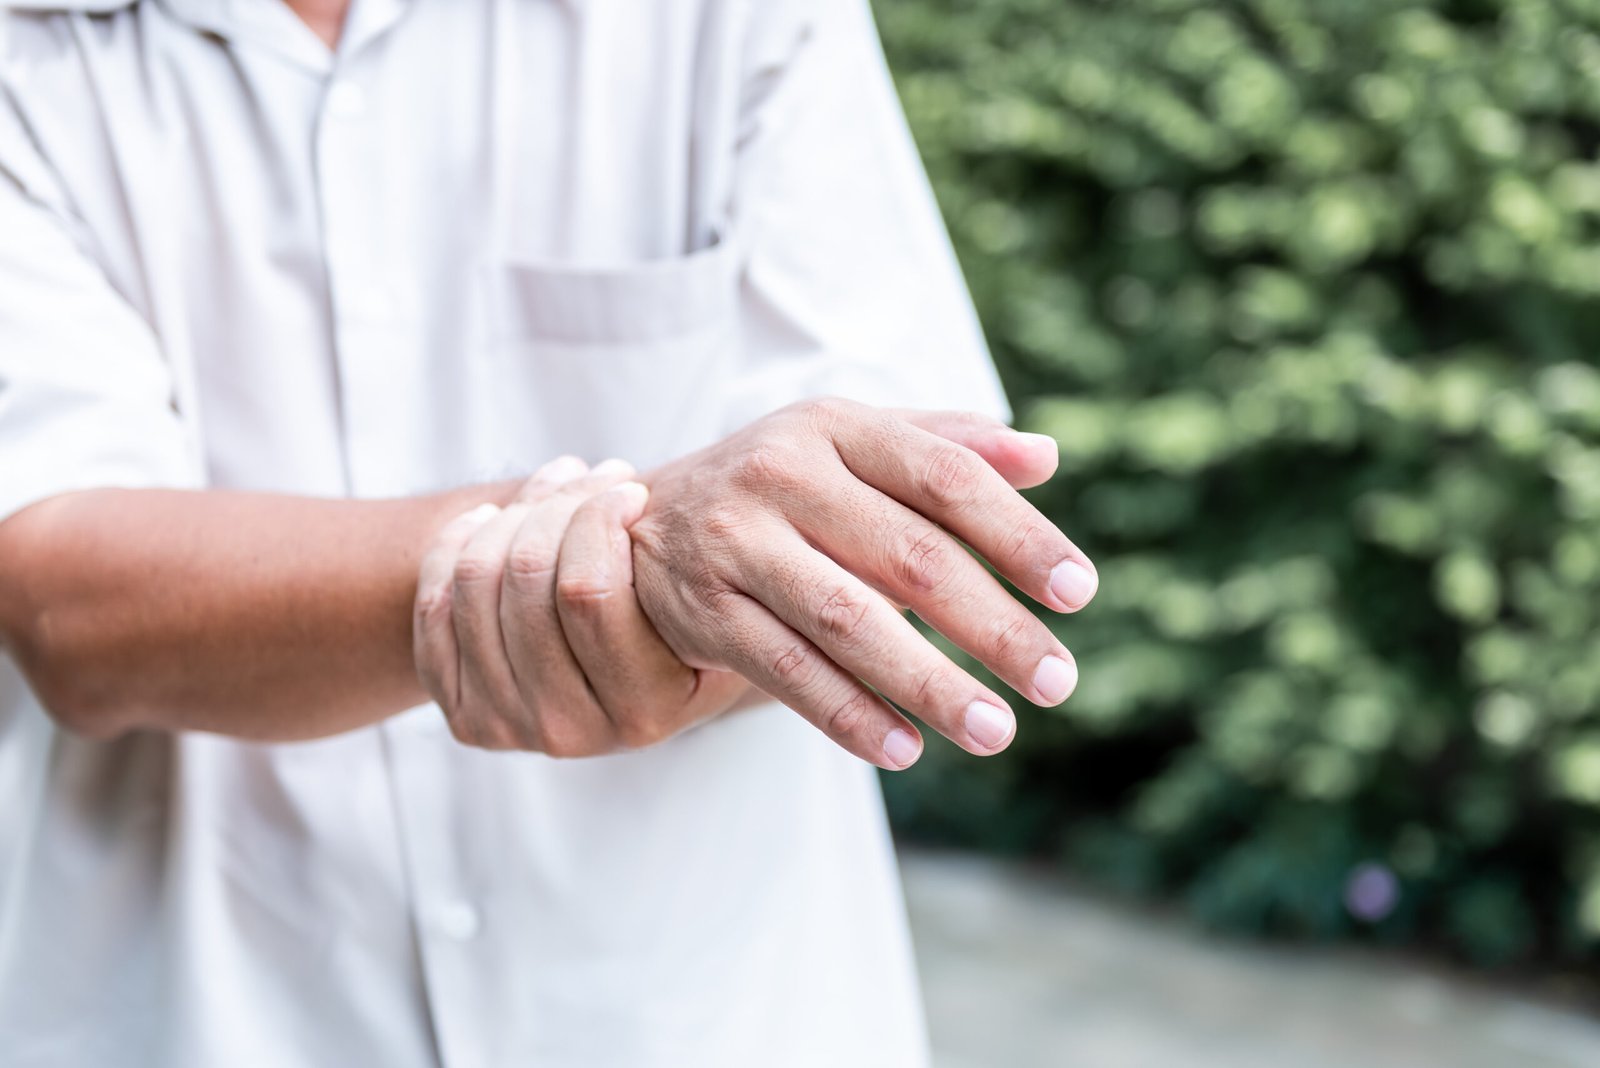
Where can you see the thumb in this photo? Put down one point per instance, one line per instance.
(625, 502)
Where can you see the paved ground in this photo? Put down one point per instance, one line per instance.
(1021, 972)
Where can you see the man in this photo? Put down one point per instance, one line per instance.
(291, 295)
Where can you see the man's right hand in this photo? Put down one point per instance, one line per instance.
(777, 551)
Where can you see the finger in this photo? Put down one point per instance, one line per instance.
(951, 485)
(490, 706)
(904, 556)
(864, 635)
(631, 671)
(783, 663)
(570, 721)
(433, 637)
(1024, 460)
(557, 472)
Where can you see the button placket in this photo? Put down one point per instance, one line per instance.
(362, 303)
(445, 917)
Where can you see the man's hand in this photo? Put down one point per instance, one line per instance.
(528, 633)
(767, 554)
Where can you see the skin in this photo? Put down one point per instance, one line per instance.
(324, 17)
(780, 556)
(527, 632)
(262, 617)
(780, 552)
(283, 619)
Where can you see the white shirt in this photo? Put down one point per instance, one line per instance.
(484, 233)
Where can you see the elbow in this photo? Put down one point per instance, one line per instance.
(57, 669)
(61, 685)
(77, 714)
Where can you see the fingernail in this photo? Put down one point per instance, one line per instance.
(1044, 441)
(1073, 583)
(613, 466)
(990, 725)
(481, 514)
(561, 469)
(1055, 679)
(901, 748)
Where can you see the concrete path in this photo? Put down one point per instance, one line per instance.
(1021, 972)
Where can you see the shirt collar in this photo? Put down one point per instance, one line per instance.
(91, 7)
(268, 23)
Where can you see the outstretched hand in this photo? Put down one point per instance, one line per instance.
(592, 614)
(776, 553)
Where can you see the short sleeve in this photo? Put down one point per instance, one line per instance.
(86, 397)
(851, 285)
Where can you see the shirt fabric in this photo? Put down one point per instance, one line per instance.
(479, 234)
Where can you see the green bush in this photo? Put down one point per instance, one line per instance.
(1306, 289)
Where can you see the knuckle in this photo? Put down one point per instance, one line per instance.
(825, 412)
(850, 716)
(1028, 540)
(531, 562)
(923, 561)
(843, 617)
(585, 593)
(794, 666)
(708, 590)
(825, 405)
(950, 478)
(475, 570)
(931, 687)
(823, 417)
(1011, 639)
(763, 465)
(597, 513)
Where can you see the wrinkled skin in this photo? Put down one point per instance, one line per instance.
(776, 554)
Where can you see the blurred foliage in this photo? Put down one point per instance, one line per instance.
(1306, 289)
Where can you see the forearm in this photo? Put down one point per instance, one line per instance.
(264, 617)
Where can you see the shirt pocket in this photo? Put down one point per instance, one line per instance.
(622, 361)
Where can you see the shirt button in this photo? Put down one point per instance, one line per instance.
(346, 101)
(457, 920)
